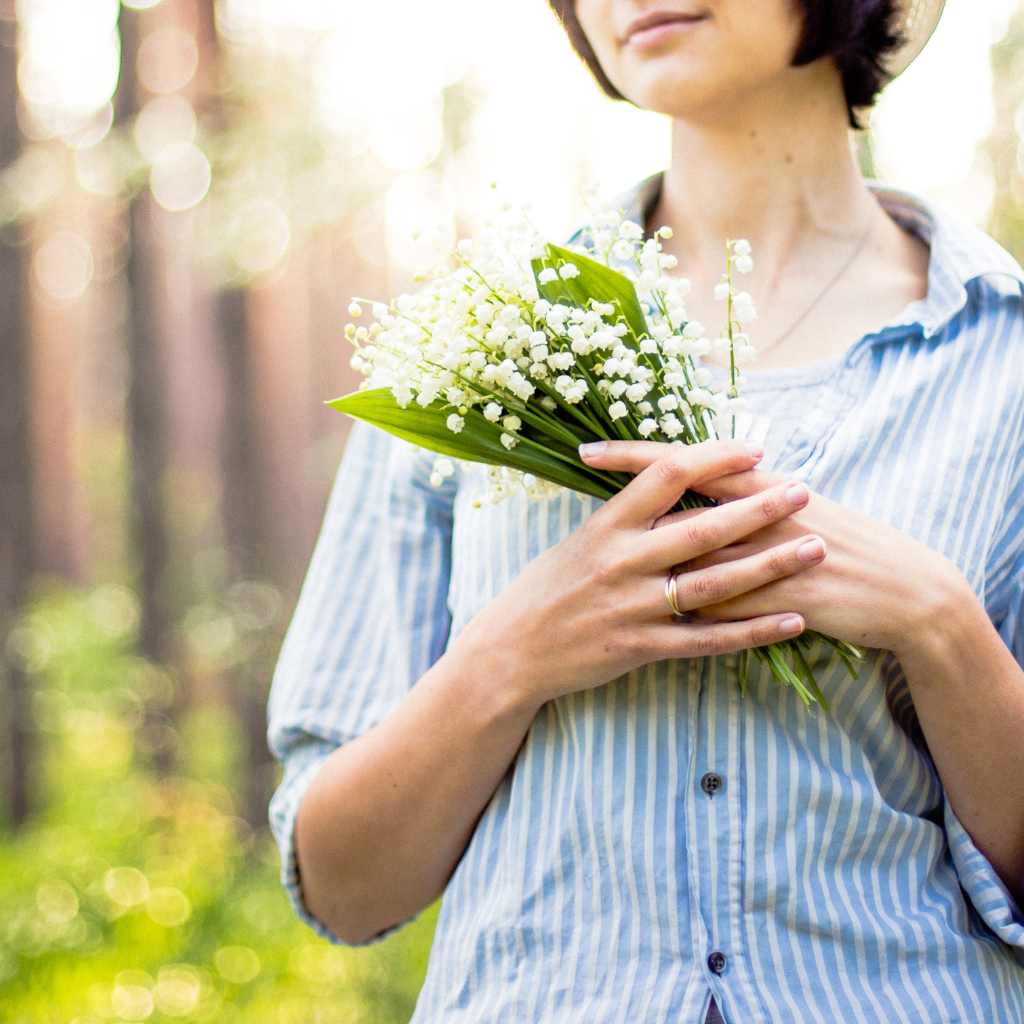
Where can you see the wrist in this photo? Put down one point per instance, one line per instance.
(942, 625)
(488, 674)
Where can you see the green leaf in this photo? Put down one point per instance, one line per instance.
(595, 281)
(478, 441)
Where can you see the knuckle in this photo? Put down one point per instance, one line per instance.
(761, 633)
(711, 640)
(632, 645)
(609, 568)
(671, 467)
(768, 507)
(702, 533)
(776, 564)
(709, 587)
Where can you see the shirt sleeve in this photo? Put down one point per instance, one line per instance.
(1004, 573)
(371, 619)
(984, 888)
(1004, 601)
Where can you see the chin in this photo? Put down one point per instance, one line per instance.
(682, 95)
(715, 90)
(679, 97)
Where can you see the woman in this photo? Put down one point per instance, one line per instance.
(658, 846)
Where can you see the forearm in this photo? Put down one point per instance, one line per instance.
(387, 818)
(969, 694)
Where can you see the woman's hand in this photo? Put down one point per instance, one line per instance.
(879, 588)
(594, 606)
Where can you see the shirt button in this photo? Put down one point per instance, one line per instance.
(711, 783)
(717, 962)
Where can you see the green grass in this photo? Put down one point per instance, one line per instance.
(130, 897)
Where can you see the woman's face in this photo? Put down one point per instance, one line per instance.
(684, 57)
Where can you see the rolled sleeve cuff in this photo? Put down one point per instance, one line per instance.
(984, 888)
(301, 767)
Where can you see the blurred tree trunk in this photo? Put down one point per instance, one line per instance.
(146, 420)
(16, 532)
(245, 528)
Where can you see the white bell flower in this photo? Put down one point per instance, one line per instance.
(670, 425)
(622, 250)
(743, 308)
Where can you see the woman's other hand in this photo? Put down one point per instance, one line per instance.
(880, 588)
(594, 606)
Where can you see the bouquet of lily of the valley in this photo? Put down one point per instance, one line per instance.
(517, 351)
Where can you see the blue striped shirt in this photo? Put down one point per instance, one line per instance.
(827, 878)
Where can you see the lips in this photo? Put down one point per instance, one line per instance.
(656, 27)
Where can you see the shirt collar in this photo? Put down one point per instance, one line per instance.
(960, 252)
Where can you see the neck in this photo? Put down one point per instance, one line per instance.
(776, 169)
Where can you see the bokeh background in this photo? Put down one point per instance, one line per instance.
(190, 192)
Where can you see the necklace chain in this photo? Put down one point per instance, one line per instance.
(824, 291)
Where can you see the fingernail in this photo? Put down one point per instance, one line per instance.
(793, 625)
(797, 494)
(756, 451)
(810, 550)
(592, 450)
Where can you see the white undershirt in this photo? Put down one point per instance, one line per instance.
(777, 400)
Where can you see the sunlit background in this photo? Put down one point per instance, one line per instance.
(190, 191)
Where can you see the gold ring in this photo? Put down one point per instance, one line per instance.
(672, 594)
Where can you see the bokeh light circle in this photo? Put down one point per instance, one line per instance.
(64, 266)
(167, 60)
(168, 907)
(180, 177)
(177, 990)
(237, 964)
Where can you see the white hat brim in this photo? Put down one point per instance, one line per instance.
(917, 21)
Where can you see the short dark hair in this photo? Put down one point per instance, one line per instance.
(859, 34)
